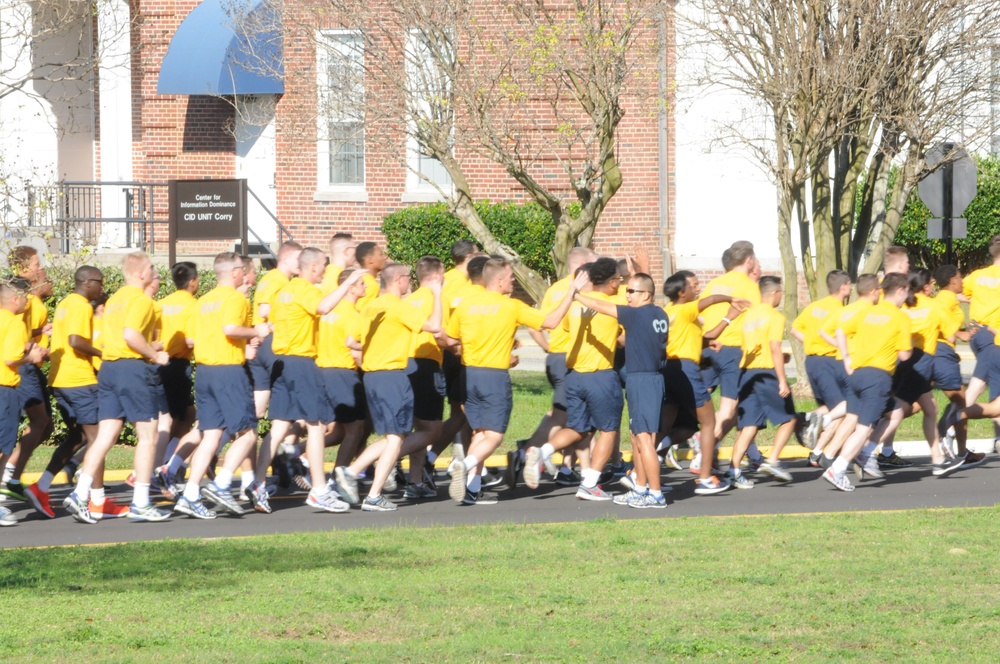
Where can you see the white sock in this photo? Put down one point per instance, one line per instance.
(655, 494)
(45, 481)
(192, 491)
(839, 465)
(470, 462)
(590, 477)
(664, 444)
(869, 448)
(474, 484)
(83, 485)
(140, 496)
(483, 474)
(97, 496)
(223, 478)
(827, 420)
(174, 465)
(246, 479)
(8, 472)
(547, 450)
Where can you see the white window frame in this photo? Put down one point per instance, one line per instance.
(418, 190)
(327, 41)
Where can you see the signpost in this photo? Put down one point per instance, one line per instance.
(207, 210)
(947, 191)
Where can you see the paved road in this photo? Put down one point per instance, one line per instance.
(909, 488)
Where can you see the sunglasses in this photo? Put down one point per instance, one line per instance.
(632, 291)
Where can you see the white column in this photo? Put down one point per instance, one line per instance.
(114, 36)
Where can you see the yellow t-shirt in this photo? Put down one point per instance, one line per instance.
(454, 281)
(15, 336)
(385, 331)
(485, 322)
(295, 319)
(334, 328)
(554, 295)
(330, 276)
(982, 287)
(593, 337)
(213, 311)
(879, 334)
(762, 324)
(684, 340)
(840, 319)
(425, 346)
(811, 320)
(69, 367)
(175, 313)
(35, 314)
(735, 284)
(128, 307)
(371, 291)
(952, 316)
(267, 288)
(925, 323)
(98, 341)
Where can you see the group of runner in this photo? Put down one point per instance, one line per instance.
(336, 347)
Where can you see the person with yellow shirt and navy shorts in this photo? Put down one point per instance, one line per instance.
(372, 260)
(175, 311)
(982, 289)
(127, 390)
(484, 325)
(16, 350)
(342, 247)
(764, 394)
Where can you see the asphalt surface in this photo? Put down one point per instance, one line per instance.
(902, 489)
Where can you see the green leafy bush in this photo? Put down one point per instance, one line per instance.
(983, 216)
(423, 230)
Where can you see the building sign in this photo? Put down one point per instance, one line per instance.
(207, 210)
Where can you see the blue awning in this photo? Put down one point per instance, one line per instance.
(225, 47)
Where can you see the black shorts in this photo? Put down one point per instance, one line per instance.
(127, 389)
(390, 401)
(345, 393)
(176, 381)
(454, 378)
(224, 398)
(489, 399)
(78, 405)
(644, 392)
(593, 400)
(555, 371)
(913, 377)
(427, 383)
(298, 393)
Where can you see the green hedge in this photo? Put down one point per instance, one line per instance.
(424, 230)
(983, 216)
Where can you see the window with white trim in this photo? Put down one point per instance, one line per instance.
(429, 87)
(340, 120)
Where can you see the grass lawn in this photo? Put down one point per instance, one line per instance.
(532, 398)
(913, 586)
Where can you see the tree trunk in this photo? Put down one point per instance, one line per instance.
(906, 179)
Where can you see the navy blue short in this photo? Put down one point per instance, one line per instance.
(33, 389)
(913, 377)
(947, 373)
(871, 395)
(176, 381)
(427, 383)
(555, 371)
(345, 393)
(759, 400)
(262, 370)
(825, 379)
(725, 370)
(454, 378)
(298, 393)
(684, 385)
(390, 401)
(489, 399)
(593, 401)
(224, 398)
(10, 418)
(619, 365)
(127, 390)
(644, 392)
(78, 405)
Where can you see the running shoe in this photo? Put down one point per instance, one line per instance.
(839, 481)
(695, 465)
(648, 501)
(741, 481)
(572, 478)
(108, 510)
(948, 418)
(258, 494)
(348, 484)
(670, 458)
(628, 481)
(165, 483)
(459, 478)
(623, 498)
(531, 473)
(948, 443)
(221, 498)
(195, 508)
(594, 493)
(281, 470)
(892, 461)
(299, 469)
(146, 513)
(825, 461)
(79, 509)
(7, 517)
(390, 482)
(491, 479)
(814, 427)
(752, 465)
(814, 459)
(378, 503)
(776, 470)
(866, 466)
(479, 498)
(328, 502)
(14, 489)
(418, 492)
(40, 500)
(971, 460)
(712, 485)
(514, 467)
(946, 467)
